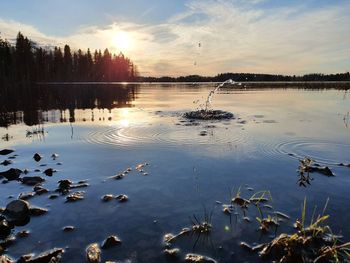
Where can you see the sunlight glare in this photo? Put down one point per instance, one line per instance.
(122, 41)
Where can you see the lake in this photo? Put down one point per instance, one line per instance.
(187, 169)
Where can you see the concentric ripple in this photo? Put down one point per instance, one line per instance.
(165, 135)
(322, 151)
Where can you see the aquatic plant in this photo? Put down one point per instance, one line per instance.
(312, 243)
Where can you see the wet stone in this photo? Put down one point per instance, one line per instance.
(23, 234)
(76, 196)
(173, 253)
(6, 162)
(53, 196)
(122, 198)
(93, 253)
(37, 211)
(6, 151)
(32, 180)
(39, 190)
(5, 228)
(68, 228)
(37, 157)
(54, 156)
(51, 256)
(111, 241)
(49, 172)
(195, 258)
(11, 174)
(17, 210)
(107, 197)
(26, 196)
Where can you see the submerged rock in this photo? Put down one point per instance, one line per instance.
(39, 190)
(322, 170)
(173, 253)
(49, 172)
(54, 156)
(51, 256)
(37, 211)
(11, 174)
(5, 228)
(37, 157)
(6, 151)
(6, 162)
(111, 241)
(53, 196)
(196, 258)
(93, 253)
(208, 115)
(32, 180)
(17, 210)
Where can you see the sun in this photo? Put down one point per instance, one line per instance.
(122, 41)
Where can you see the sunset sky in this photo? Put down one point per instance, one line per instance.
(182, 37)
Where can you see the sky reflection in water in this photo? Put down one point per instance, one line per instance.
(188, 168)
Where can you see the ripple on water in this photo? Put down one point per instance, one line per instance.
(165, 135)
(322, 151)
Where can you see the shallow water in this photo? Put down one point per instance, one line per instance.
(192, 164)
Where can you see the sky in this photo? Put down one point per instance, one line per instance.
(183, 37)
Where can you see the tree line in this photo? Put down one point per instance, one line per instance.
(241, 77)
(25, 61)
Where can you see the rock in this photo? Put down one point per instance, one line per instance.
(37, 157)
(17, 210)
(246, 246)
(68, 228)
(49, 172)
(54, 156)
(5, 181)
(76, 196)
(64, 186)
(93, 253)
(111, 241)
(37, 211)
(5, 228)
(5, 259)
(6, 162)
(51, 256)
(319, 169)
(23, 233)
(39, 190)
(26, 196)
(6, 151)
(32, 180)
(195, 258)
(11, 174)
(53, 196)
(122, 198)
(174, 253)
(107, 197)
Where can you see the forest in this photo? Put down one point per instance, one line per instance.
(26, 62)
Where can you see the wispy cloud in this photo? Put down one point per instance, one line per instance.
(213, 36)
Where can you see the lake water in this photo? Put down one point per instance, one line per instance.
(101, 130)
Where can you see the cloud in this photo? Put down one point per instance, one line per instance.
(213, 36)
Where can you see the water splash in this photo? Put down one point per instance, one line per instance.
(212, 92)
(205, 113)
